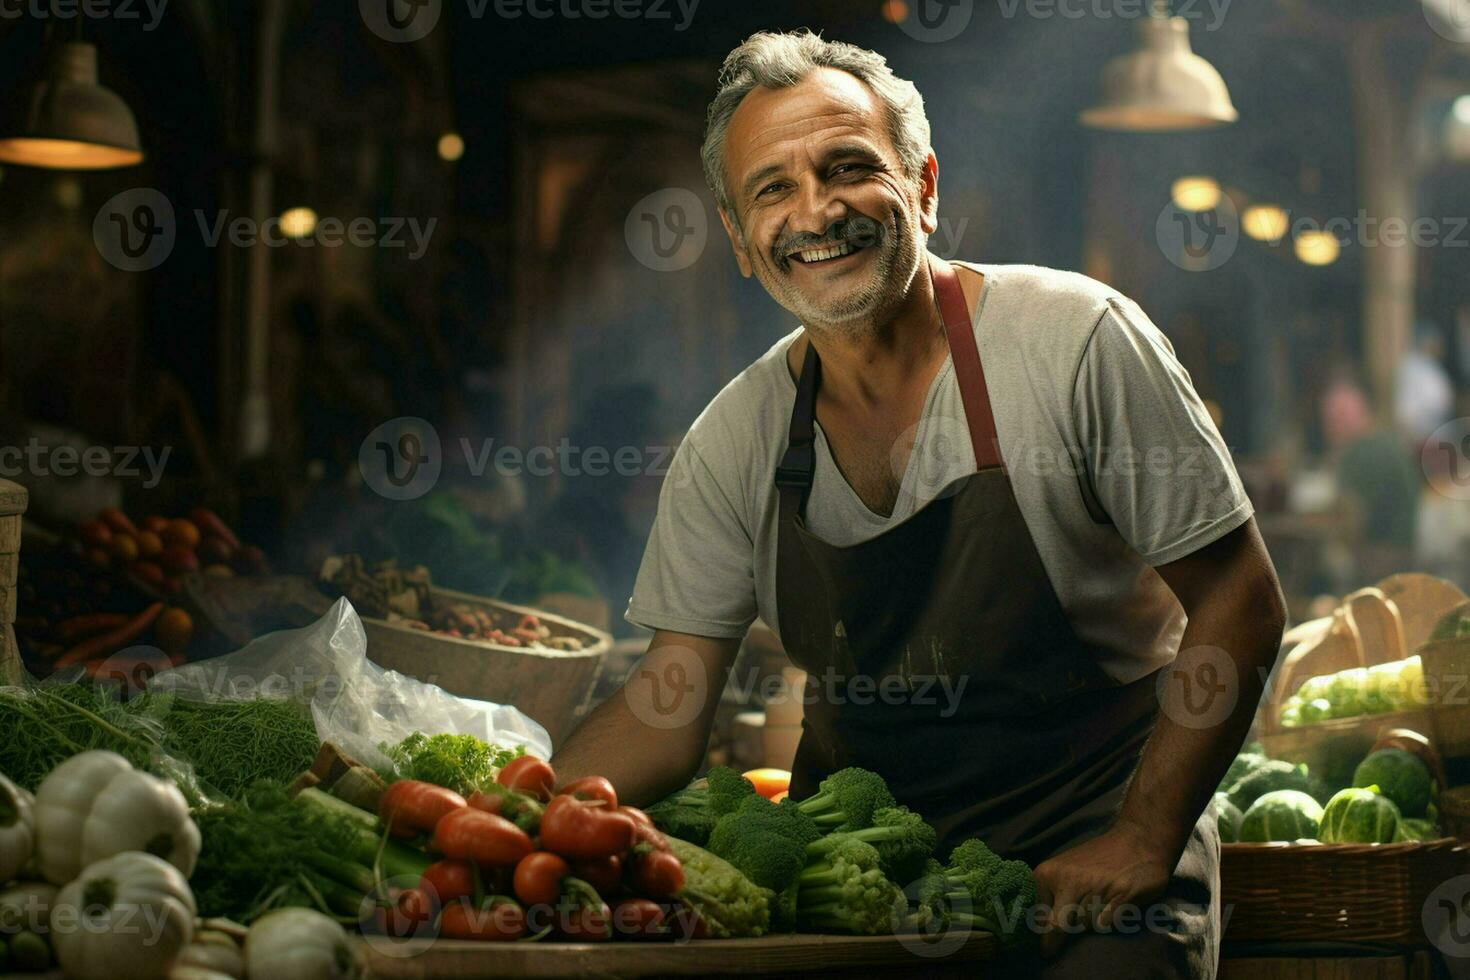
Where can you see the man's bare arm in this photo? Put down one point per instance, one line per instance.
(1236, 617)
(650, 737)
(1236, 614)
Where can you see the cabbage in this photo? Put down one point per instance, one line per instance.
(1359, 815)
(1281, 815)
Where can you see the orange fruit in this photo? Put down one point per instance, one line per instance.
(98, 558)
(124, 547)
(181, 532)
(149, 544)
(173, 629)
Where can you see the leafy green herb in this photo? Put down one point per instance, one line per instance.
(462, 763)
(228, 744)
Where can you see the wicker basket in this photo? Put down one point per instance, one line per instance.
(552, 686)
(1344, 892)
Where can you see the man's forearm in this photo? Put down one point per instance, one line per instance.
(1227, 650)
(649, 738)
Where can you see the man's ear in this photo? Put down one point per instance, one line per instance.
(929, 196)
(737, 243)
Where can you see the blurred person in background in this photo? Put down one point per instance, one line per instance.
(1378, 481)
(1426, 397)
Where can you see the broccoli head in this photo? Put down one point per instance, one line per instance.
(855, 900)
(903, 840)
(980, 890)
(691, 813)
(767, 842)
(847, 799)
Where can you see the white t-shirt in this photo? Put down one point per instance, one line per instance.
(1116, 465)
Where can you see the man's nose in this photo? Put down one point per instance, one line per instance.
(815, 210)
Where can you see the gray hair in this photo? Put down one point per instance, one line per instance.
(773, 60)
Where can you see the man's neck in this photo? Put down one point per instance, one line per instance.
(874, 365)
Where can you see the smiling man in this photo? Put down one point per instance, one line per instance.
(987, 513)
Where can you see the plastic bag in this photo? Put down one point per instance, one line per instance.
(355, 704)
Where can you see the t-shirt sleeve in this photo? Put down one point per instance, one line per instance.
(697, 571)
(1154, 459)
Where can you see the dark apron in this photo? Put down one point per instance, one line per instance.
(938, 655)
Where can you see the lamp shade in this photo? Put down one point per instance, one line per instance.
(69, 121)
(1162, 86)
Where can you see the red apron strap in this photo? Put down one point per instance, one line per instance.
(967, 368)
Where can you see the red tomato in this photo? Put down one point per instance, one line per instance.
(538, 878)
(605, 873)
(638, 918)
(592, 788)
(497, 919)
(474, 835)
(584, 829)
(528, 775)
(657, 874)
(448, 881)
(416, 807)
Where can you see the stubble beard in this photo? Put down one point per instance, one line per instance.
(861, 312)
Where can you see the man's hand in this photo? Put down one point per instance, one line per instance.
(1084, 887)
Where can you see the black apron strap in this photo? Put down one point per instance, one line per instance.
(798, 464)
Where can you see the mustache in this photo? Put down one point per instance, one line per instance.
(859, 231)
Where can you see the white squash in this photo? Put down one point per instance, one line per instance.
(299, 944)
(211, 952)
(26, 906)
(17, 830)
(125, 917)
(95, 805)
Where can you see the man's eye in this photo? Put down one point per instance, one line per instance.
(847, 168)
(768, 188)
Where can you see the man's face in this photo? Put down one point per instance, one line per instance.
(812, 172)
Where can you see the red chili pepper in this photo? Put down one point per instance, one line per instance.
(522, 810)
(656, 874)
(410, 806)
(586, 923)
(448, 881)
(639, 918)
(468, 834)
(495, 919)
(581, 829)
(604, 873)
(528, 774)
(592, 788)
(645, 832)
